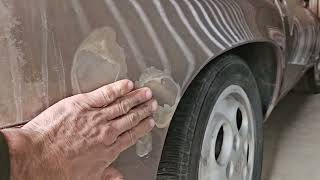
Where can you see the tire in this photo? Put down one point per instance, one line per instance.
(183, 155)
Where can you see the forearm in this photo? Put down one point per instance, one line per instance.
(4, 158)
(26, 157)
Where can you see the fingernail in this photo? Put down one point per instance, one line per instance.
(130, 85)
(148, 94)
(152, 123)
(154, 106)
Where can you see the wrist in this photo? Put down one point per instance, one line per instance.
(4, 158)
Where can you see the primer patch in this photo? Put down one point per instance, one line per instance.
(99, 60)
(144, 145)
(165, 90)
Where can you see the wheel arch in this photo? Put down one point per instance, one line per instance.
(266, 61)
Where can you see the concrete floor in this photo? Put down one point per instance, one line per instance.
(292, 139)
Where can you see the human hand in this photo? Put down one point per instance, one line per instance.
(80, 136)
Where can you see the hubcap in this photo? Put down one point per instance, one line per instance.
(228, 146)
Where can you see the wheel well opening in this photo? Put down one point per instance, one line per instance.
(261, 57)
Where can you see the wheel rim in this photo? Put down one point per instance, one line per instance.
(228, 146)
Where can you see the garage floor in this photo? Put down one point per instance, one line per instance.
(292, 139)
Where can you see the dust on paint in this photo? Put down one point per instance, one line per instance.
(12, 57)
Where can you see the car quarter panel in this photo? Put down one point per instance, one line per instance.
(54, 49)
(302, 38)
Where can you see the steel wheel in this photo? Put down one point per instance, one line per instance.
(228, 145)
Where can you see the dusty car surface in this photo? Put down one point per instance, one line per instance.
(216, 67)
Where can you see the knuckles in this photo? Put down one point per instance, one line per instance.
(97, 117)
(108, 94)
(132, 118)
(109, 135)
(123, 107)
(133, 137)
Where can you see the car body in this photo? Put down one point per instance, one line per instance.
(54, 49)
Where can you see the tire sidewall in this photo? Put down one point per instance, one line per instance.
(235, 72)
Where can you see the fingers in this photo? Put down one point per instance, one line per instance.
(107, 94)
(125, 104)
(134, 116)
(118, 126)
(130, 137)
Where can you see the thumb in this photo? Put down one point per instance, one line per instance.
(112, 174)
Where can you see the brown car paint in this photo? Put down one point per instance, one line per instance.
(54, 49)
